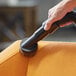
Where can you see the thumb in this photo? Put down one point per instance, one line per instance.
(48, 24)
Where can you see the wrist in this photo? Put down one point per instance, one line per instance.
(69, 4)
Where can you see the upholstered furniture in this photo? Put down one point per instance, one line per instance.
(51, 59)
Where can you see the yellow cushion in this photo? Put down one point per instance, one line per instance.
(51, 59)
(12, 62)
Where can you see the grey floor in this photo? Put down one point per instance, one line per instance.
(66, 34)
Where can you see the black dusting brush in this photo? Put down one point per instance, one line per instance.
(29, 47)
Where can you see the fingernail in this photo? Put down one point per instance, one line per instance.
(45, 27)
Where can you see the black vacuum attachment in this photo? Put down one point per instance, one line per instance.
(29, 47)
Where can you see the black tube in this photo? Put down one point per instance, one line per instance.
(30, 45)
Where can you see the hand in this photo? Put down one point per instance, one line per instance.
(56, 13)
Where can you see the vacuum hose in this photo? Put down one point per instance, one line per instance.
(29, 47)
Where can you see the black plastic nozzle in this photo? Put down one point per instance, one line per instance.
(29, 46)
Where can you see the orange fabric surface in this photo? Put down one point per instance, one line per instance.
(51, 59)
(12, 62)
